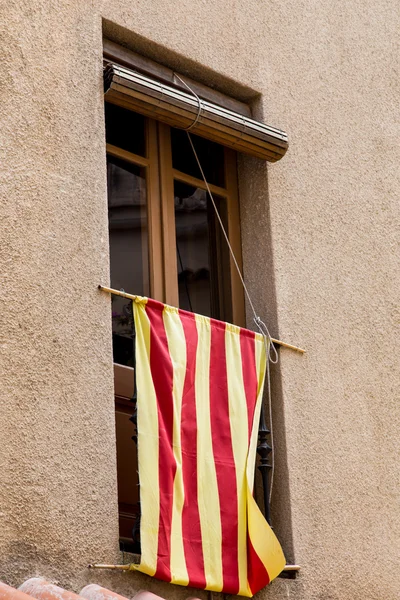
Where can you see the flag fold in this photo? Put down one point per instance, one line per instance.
(199, 393)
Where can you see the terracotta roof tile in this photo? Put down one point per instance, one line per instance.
(96, 592)
(37, 588)
(43, 590)
(145, 595)
(10, 593)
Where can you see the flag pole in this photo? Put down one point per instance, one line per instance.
(113, 567)
(123, 294)
(117, 292)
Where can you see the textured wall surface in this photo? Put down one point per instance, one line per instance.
(320, 254)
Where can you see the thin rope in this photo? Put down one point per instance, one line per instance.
(259, 323)
(261, 326)
(257, 320)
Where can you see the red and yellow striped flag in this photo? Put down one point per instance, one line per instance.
(199, 389)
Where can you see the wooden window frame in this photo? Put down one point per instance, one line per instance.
(160, 177)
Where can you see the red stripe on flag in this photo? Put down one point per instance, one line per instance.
(257, 574)
(224, 458)
(249, 370)
(191, 531)
(162, 375)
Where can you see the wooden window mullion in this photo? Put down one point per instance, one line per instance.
(168, 215)
(157, 283)
(238, 305)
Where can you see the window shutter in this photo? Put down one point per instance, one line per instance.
(178, 108)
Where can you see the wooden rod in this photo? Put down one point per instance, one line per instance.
(127, 567)
(117, 292)
(114, 567)
(290, 346)
(132, 297)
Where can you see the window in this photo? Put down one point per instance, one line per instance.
(165, 242)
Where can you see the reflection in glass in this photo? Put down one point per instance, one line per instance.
(211, 156)
(129, 257)
(202, 257)
(125, 129)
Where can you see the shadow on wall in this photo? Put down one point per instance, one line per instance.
(258, 267)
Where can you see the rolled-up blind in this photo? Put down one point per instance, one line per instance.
(181, 109)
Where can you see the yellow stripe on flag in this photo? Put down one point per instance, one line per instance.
(260, 368)
(147, 424)
(177, 351)
(262, 537)
(261, 363)
(208, 498)
(239, 434)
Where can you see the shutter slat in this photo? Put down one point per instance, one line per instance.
(177, 108)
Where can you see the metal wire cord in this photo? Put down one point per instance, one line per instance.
(257, 320)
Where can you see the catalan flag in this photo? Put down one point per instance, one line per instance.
(199, 393)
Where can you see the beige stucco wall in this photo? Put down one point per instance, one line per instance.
(320, 256)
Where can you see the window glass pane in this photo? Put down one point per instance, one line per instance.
(202, 254)
(125, 129)
(211, 156)
(129, 256)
